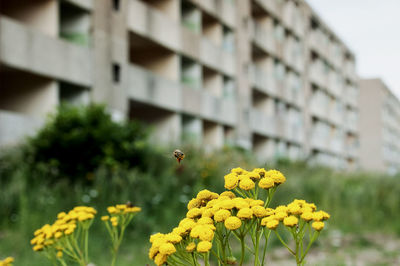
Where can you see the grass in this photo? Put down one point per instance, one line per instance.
(358, 202)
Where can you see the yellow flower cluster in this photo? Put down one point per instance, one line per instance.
(291, 214)
(7, 261)
(65, 225)
(120, 212)
(246, 180)
(196, 231)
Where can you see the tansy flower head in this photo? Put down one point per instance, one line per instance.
(273, 224)
(228, 194)
(191, 247)
(232, 223)
(290, 221)
(204, 246)
(318, 226)
(266, 183)
(245, 213)
(231, 181)
(277, 176)
(221, 215)
(246, 184)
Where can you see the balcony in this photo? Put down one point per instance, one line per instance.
(15, 126)
(317, 74)
(203, 104)
(262, 123)
(261, 80)
(30, 50)
(215, 57)
(144, 86)
(153, 24)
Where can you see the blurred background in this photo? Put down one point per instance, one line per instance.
(95, 95)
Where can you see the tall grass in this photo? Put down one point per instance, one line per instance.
(357, 202)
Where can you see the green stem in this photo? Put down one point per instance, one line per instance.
(86, 245)
(265, 246)
(283, 243)
(313, 238)
(242, 245)
(206, 260)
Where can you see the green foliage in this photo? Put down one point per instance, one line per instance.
(77, 140)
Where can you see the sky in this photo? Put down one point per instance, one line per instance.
(371, 29)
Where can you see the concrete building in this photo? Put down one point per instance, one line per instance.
(380, 124)
(267, 75)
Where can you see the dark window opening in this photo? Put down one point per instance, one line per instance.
(116, 71)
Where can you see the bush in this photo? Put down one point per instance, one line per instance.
(76, 140)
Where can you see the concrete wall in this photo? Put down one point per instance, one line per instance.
(370, 126)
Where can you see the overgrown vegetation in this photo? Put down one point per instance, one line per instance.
(32, 191)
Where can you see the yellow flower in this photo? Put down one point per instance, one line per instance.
(240, 203)
(266, 183)
(114, 221)
(231, 181)
(38, 248)
(246, 184)
(187, 224)
(228, 194)
(259, 211)
(7, 261)
(318, 225)
(260, 171)
(226, 204)
(191, 247)
(173, 238)
(206, 195)
(232, 223)
(59, 254)
(193, 203)
(204, 246)
(307, 216)
(290, 221)
(238, 171)
(256, 203)
(277, 176)
(221, 215)
(272, 224)
(253, 176)
(280, 215)
(206, 234)
(112, 210)
(295, 209)
(205, 220)
(167, 249)
(245, 213)
(105, 218)
(265, 220)
(61, 215)
(160, 259)
(320, 216)
(58, 235)
(193, 213)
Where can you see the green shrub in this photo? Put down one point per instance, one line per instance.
(77, 140)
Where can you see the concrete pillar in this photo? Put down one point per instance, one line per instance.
(213, 82)
(243, 61)
(167, 129)
(213, 135)
(263, 148)
(192, 129)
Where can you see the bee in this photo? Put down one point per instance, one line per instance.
(179, 155)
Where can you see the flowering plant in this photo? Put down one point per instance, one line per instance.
(214, 220)
(67, 239)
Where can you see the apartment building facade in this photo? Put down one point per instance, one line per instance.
(379, 122)
(267, 75)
